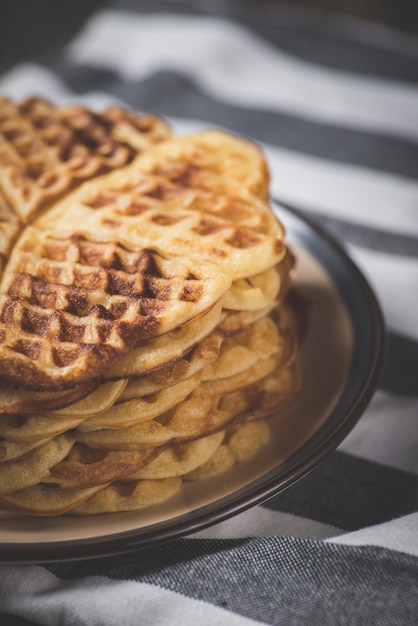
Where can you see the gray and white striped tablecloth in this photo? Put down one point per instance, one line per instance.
(335, 105)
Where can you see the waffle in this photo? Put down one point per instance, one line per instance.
(92, 276)
(197, 416)
(152, 354)
(176, 347)
(180, 459)
(51, 500)
(145, 333)
(30, 428)
(98, 401)
(216, 161)
(214, 358)
(57, 476)
(57, 469)
(179, 215)
(199, 412)
(46, 150)
(72, 473)
(22, 401)
(64, 320)
(30, 470)
(199, 357)
(239, 445)
(9, 232)
(16, 450)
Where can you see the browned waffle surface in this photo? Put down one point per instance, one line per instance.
(70, 307)
(134, 254)
(144, 331)
(52, 463)
(46, 150)
(200, 212)
(213, 160)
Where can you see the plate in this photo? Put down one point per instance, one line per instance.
(340, 360)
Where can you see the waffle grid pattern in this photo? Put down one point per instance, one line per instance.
(46, 150)
(57, 314)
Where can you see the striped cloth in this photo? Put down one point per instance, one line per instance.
(335, 105)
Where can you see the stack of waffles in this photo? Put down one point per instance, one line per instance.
(145, 335)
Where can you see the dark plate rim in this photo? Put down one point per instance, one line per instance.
(313, 452)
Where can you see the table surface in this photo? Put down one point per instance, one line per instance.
(32, 30)
(334, 104)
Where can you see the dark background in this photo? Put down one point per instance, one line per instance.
(36, 29)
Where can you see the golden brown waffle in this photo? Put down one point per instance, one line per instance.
(133, 495)
(152, 354)
(227, 363)
(129, 412)
(24, 401)
(86, 467)
(98, 401)
(163, 357)
(217, 162)
(200, 414)
(143, 330)
(143, 205)
(46, 150)
(180, 459)
(30, 470)
(127, 257)
(57, 477)
(16, 450)
(193, 364)
(85, 399)
(253, 293)
(10, 229)
(242, 359)
(30, 428)
(238, 446)
(174, 351)
(69, 308)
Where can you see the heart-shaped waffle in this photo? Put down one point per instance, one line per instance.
(47, 150)
(144, 328)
